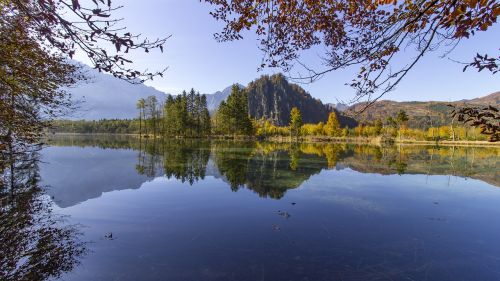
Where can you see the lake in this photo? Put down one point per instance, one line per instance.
(223, 210)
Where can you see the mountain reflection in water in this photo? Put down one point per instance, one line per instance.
(269, 169)
(184, 210)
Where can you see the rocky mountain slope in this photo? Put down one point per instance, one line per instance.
(272, 97)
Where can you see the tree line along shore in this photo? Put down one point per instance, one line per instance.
(187, 116)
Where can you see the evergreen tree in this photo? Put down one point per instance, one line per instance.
(185, 115)
(232, 116)
(401, 120)
(378, 126)
(151, 106)
(191, 113)
(168, 111)
(205, 116)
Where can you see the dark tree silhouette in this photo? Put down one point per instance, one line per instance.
(37, 244)
(486, 118)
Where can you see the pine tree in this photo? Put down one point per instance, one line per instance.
(191, 113)
(401, 120)
(185, 115)
(168, 112)
(151, 105)
(182, 114)
(232, 116)
(205, 116)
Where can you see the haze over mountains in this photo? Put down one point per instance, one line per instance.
(270, 97)
(214, 100)
(106, 97)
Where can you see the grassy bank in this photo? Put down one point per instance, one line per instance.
(379, 141)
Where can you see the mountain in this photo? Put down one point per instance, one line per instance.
(422, 114)
(214, 100)
(272, 97)
(491, 99)
(338, 106)
(107, 97)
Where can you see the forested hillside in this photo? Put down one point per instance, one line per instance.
(421, 114)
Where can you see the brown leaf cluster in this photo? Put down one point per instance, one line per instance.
(364, 33)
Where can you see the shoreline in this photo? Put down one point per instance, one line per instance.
(308, 139)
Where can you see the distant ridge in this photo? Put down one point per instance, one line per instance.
(214, 100)
(107, 97)
(491, 99)
(338, 106)
(436, 113)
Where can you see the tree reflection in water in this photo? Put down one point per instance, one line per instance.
(185, 160)
(233, 161)
(270, 169)
(36, 244)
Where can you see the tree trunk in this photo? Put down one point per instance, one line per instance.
(452, 130)
(11, 161)
(140, 123)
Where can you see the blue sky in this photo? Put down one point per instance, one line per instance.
(196, 60)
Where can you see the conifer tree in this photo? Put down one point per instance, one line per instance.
(232, 116)
(205, 116)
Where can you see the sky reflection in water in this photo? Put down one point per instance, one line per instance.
(257, 211)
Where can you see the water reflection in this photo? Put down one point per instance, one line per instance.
(268, 169)
(199, 210)
(35, 243)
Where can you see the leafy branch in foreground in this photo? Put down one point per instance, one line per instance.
(37, 37)
(68, 26)
(485, 118)
(482, 62)
(367, 34)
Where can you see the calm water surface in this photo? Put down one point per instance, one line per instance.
(193, 210)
